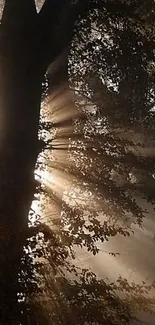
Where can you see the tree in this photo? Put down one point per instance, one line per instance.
(115, 97)
(115, 79)
(27, 48)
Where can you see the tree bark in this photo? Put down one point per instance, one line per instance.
(20, 96)
(20, 106)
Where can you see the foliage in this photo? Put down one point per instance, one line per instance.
(56, 291)
(113, 127)
(114, 89)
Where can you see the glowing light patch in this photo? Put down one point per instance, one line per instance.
(43, 175)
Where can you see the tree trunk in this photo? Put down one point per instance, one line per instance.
(23, 62)
(20, 106)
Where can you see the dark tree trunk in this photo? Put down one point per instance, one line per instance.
(20, 95)
(20, 92)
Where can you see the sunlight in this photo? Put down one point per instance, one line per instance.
(44, 176)
(59, 109)
(35, 211)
